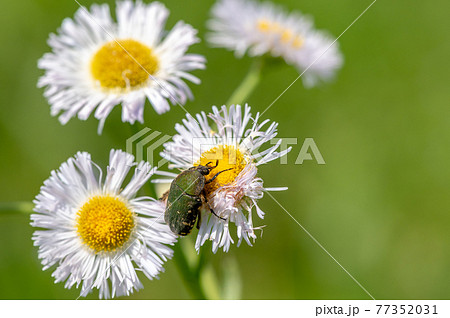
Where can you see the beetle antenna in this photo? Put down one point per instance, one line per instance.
(212, 179)
(212, 168)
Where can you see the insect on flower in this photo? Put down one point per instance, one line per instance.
(185, 198)
(240, 141)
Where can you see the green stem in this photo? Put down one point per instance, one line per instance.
(191, 277)
(248, 84)
(194, 275)
(21, 207)
(202, 257)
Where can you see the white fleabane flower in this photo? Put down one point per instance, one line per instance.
(98, 233)
(233, 141)
(97, 63)
(259, 28)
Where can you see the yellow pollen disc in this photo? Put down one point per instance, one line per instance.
(264, 25)
(229, 157)
(286, 35)
(113, 67)
(104, 223)
(298, 42)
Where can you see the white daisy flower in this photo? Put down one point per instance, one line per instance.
(233, 142)
(97, 63)
(259, 28)
(98, 233)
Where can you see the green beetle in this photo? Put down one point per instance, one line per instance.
(185, 197)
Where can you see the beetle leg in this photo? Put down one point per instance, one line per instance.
(164, 196)
(199, 220)
(212, 179)
(210, 209)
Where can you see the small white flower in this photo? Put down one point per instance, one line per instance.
(260, 28)
(233, 142)
(98, 234)
(97, 63)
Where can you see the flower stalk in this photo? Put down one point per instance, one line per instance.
(248, 84)
(23, 207)
(190, 275)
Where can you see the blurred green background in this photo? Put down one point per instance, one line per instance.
(380, 205)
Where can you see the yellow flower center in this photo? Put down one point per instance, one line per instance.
(228, 158)
(286, 35)
(104, 223)
(123, 64)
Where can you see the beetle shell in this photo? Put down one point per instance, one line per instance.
(184, 201)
